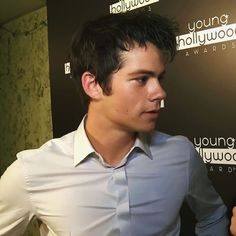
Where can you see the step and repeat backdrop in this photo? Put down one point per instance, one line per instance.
(200, 82)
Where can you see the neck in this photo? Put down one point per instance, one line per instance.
(110, 142)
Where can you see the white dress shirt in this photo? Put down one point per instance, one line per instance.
(69, 187)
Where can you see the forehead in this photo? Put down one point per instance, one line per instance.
(143, 57)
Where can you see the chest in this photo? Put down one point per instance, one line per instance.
(111, 201)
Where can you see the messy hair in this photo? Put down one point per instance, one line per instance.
(97, 48)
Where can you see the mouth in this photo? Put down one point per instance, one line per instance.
(152, 114)
(153, 111)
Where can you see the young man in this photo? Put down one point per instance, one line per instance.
(115, 175)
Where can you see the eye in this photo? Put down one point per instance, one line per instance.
(142, 79)
(161, 78)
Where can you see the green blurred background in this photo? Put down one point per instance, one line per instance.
(25, 108)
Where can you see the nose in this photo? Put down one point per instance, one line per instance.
(156, 91)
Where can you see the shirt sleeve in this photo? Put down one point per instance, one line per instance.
(15, 207)
(204, 201)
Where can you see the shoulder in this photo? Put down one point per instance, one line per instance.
(166, 140)
(171, 148)
(54, 154)
(58, 146)
(12, 184)
(42, 165)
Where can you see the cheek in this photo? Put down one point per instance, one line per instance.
(127, 105)
(127, 100)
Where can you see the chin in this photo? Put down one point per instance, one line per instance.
(147, 129)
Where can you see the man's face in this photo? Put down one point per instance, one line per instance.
(134, 102)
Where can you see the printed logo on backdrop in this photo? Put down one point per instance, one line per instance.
(213, 34)
(217, 150)
(129, 5)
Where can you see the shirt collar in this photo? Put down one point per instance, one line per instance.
(142, 143)
(82, 145)
(83, 148)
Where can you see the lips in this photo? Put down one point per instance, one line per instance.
(152, 114)
(152, 111)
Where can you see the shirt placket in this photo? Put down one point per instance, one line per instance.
(123, 206)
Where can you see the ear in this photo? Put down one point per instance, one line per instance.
(90, 86)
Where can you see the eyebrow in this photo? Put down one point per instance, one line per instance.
(146, 72)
